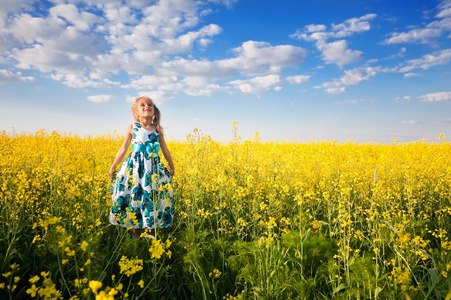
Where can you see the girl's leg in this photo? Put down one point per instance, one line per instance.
(136, 232)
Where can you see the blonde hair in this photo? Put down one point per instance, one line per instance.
(156, 120)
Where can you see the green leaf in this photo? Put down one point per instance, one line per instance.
(340, 287)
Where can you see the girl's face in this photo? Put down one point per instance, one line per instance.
(145, 108)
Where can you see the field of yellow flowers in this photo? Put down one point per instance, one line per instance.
(254, 220)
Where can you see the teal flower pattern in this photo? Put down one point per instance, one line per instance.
(142, 195)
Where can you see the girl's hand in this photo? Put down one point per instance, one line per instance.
(111, 173)
(172, 172)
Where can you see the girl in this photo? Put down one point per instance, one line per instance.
(142, 188)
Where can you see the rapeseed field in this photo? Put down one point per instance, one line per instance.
(253, 220)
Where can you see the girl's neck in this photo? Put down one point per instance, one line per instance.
(146, 122)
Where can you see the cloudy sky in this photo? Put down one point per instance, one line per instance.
(369, 71)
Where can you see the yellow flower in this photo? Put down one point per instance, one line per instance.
(88, 262)
(113, 292)
(130, 266)
(34, 279)
(69, 252)
(36, 238)
(156, 249)
(216, 273)
(104, 296)
(83, 245)
(141, 283)
(32, 291)
(7, 274)
(60, 229)
(77, 282)
(64, 261)
(95, 285)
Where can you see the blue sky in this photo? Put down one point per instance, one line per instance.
(368, 71)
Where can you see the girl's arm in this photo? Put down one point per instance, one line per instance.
(166, 153)
(122, 150)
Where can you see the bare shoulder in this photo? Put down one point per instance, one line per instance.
(129, 130)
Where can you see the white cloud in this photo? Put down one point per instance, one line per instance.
(227, 3)
(336, 52)
(334, 88)
(414, 35)
(353, 101)
(84, 45)
(45, 60)
(12, 7)
(100, 98)
(436, 97)
(358, 75)
(10, 77)
(252, 58)
(410, 122)
(444, 121)
(400, 53)
(151, 82)
(408, 98)
(353, 25)
(28, 29)
(49, 46)
(191, 85)
(199, 86)
(438, 58)
(315, 28)
(75, 81)
(318, 32)
(80, 20)
(426, 34)
(410, 75)
(351, 77)
(71, 40)
(120, 15)
(206, 90)
(185, 42)
(257, 85)
(158, 97)
(255, 57)
(445, 9)
(298, 79)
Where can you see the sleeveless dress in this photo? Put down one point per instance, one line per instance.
(142, 195)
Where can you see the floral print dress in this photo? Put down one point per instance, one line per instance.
(142, 195)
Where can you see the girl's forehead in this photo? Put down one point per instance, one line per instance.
(144, 100)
